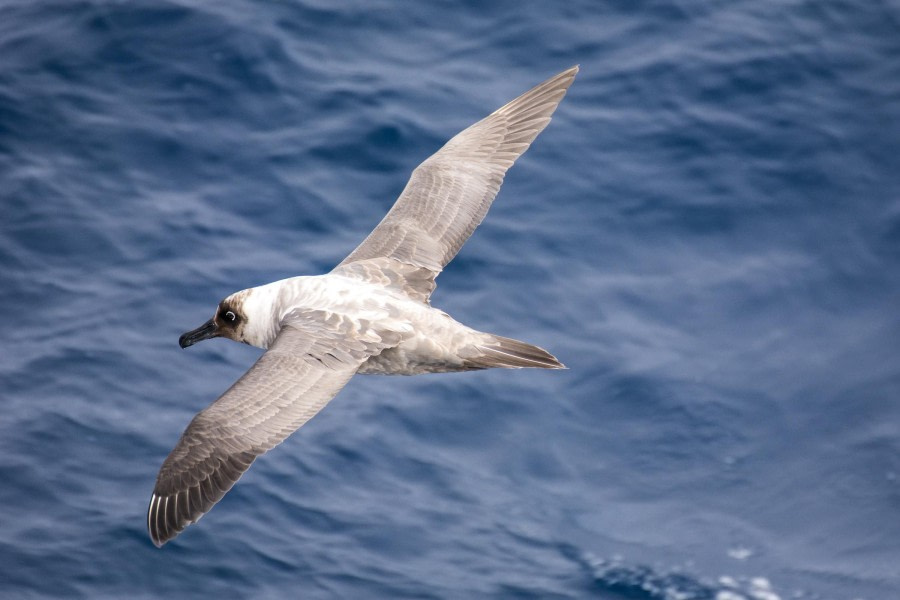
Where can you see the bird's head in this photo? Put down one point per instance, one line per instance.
(230, 321)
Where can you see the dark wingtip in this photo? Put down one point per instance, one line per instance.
(170, 512)
(161, 525)
(153, 522)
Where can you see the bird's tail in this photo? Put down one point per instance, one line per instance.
(502, 352)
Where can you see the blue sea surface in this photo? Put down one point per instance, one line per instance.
(707, 234)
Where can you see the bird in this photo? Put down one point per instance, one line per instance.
(370, 315)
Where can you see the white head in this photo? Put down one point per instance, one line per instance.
(246, 316)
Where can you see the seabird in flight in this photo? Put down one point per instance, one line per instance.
(371, 314)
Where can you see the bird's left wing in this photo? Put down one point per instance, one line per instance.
(313, 357)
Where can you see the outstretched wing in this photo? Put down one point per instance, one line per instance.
(313, 357)
(449, 194)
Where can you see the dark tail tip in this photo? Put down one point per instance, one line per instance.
(512, 354)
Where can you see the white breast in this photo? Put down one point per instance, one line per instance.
(431, 340)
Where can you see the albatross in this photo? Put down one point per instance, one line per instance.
(370, 315)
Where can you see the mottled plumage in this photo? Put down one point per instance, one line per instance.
(371, 314)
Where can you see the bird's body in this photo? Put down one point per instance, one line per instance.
(429, 340)
(370, 315)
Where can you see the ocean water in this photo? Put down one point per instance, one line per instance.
(707, 234)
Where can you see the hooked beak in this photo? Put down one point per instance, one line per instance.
(204, 332)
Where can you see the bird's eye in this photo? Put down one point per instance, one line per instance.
(230, 316)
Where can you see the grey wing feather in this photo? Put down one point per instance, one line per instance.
(449, 194)
(312, 358)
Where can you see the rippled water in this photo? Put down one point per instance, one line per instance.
(708, 235)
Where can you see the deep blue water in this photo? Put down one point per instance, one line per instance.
(707, 234)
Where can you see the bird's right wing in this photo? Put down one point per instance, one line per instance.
(449, 194)
(313, 357)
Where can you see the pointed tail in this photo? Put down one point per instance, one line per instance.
(502, 352)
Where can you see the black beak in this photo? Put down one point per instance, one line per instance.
(204, 332)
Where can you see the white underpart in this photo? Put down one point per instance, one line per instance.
(432, 341)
